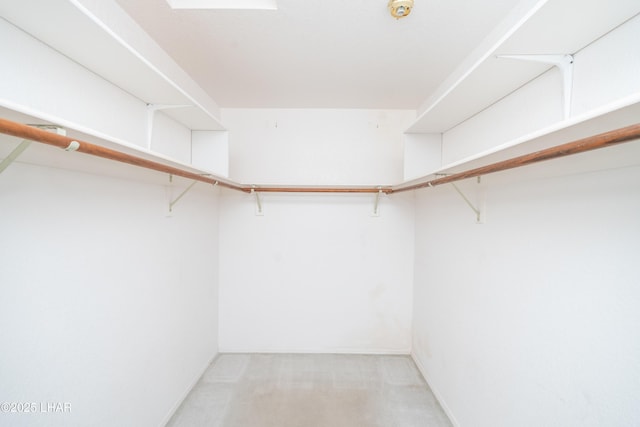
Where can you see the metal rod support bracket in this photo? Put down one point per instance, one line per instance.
(376, 212)
(471, 205)
(171, 204)
(24, 144)
(14, 154)
(564, 64)
(258, 201)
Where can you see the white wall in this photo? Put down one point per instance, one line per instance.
(316, 146)
(171, 139)
(422, 154)
(316, 273)
(107, 303)
(210, 151)
(38, 81)
(532, 107)
(608, 69)
(531, 318)
(112, 304)
(604, 72)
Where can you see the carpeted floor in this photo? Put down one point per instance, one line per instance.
(310, 390)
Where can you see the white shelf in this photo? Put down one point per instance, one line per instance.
(541, 27)
(616, 115)
(47, 156)
(100, 36)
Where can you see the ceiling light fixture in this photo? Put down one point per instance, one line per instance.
(400, 8)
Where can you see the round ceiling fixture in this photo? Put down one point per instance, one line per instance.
(400, 8)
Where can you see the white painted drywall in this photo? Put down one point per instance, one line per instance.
(316, 273)
(37, 80)
(604, 72)
(532, 318)
(609, 69)
(210, 151)
(171, 139)
(316, 146)
(532, 107)
(422, 154)
(113, 304)
(107, 303)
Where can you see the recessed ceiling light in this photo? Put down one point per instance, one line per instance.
(224, 4)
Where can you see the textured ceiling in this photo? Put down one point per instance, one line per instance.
(320, 54)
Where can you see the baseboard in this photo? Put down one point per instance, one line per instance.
(436, 393)
(376, 352)
(186, 393)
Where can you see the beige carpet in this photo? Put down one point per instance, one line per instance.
(310, 390)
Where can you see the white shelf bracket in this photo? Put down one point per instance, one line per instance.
(259, 211)
(14, 154)
(564, 64)
(20, 148)
(151, 115)
(476, 210)
(172, 204)
(376, 212)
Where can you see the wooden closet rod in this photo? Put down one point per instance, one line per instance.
(34, 134)
(602, 140)
(276, 189)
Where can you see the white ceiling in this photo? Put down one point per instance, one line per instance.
(321, 53)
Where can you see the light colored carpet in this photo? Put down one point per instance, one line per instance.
(310, 390)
